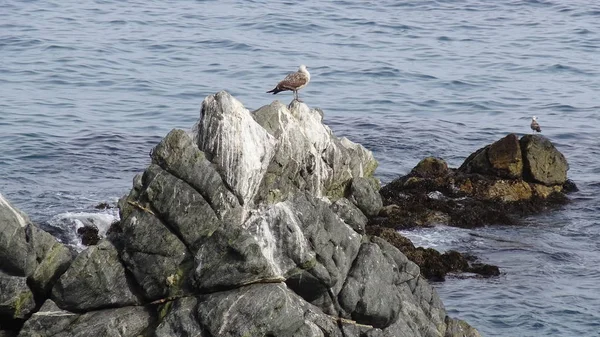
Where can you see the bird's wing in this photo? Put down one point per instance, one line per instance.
(293, 81)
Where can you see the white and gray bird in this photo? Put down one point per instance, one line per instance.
(293, 82)
(535, 126)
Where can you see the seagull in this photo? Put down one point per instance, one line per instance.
(534, 125)
(293, 82)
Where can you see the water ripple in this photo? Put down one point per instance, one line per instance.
(87, 89)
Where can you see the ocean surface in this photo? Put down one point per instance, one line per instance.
(87, 88)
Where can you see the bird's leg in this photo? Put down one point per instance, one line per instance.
(298, 97)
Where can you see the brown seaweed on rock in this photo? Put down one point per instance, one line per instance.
(497, 184)
(433, 264)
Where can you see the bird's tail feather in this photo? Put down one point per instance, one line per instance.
(274, 91)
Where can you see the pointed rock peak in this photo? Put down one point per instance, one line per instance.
(9, 213)
(239, 147)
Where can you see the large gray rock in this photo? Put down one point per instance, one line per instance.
(459, 328)
(279, 312)
(54, 259)
(385, 290)
(95, 280)
(49, 320)
(16, 299)
(370, 294)
(275, 243)
(239, 147)
(181, 207)
(501, 159)
(350, 214)
(308, 156)
(178, 155)
(180, 319)
(26, 250)
(121, 322)
(542, 161)
(15, 253)
(364, 192)
(231, 231)
(153, 254)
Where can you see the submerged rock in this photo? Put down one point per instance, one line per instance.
(433, 264)
(89, 235)
(251, 225)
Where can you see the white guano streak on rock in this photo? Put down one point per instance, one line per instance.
(300, 242)
(20, 219)
(270, 230)
(225, 318)
(55, 313)
(268, 245)
(319, 136)
(239, 146)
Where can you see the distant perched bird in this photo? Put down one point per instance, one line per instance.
(534, 125)
(293, 82)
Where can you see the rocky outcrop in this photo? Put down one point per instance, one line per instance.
(543, 163)
(31, 261)
(308, 156)
(252, 225)
(496, 184)
(95, 280)
(16, 299)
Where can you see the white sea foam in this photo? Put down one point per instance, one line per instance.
(65, 225)
(440, 237)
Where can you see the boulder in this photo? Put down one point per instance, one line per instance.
(15, 253)
(178, 155)
(95, 280)
(279, 312)
(52, 321)
(239, 147)
(53, 260)
(279, 241)
(89, 235)
(505, 157)
(431, 167)
(308, 156)
(350, 214)
(180, 319)
(501, 159)
(370, 292)
(16, 299)
(364, 193)
(153, 254)
(457, 327)
(543, 163)
(49, 320)
(185, 211)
